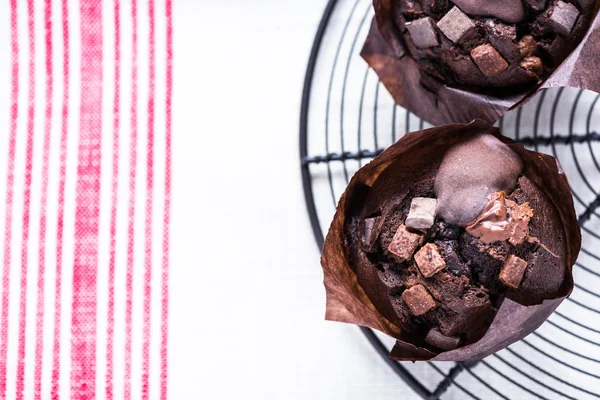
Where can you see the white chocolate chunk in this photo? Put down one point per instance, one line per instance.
(455, 24)
(422, 213)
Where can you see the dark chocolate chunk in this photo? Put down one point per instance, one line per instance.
(513, 271)
(423, 32)
(455, 24)
(371, 233)
(563, 17)
(418, 299)
(511, 11)
(429, 260)
(441, 341)
(533, 64)
(489, 61)
(404, 244)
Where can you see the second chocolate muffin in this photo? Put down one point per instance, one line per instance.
(487, 45)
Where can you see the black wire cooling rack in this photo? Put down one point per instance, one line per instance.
(347, 118)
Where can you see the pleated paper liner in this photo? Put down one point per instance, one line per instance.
(348, 302)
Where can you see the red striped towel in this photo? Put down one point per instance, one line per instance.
(85, 167)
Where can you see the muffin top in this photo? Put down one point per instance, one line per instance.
(487, 45)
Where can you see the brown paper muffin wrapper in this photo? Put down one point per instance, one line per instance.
(348, 302)
(401, 76)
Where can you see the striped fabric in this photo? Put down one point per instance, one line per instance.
(85, 168)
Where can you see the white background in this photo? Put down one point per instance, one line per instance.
(247, 301)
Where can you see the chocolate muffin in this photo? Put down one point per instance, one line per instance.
(486, 46)
(454, 242)
(440, 255)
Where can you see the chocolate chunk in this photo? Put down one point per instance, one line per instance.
(489, 61)
(527, 46)
(437, 339)
(418, 299)
(513, 271)
(422, 32)
(533, 64)
(371, 233)
(537, 5)
(422, 213)
(429, 260)
(511, 11)
(563, 17)
(455, 24)
(404, 243)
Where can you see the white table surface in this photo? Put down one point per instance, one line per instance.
(247, 308)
